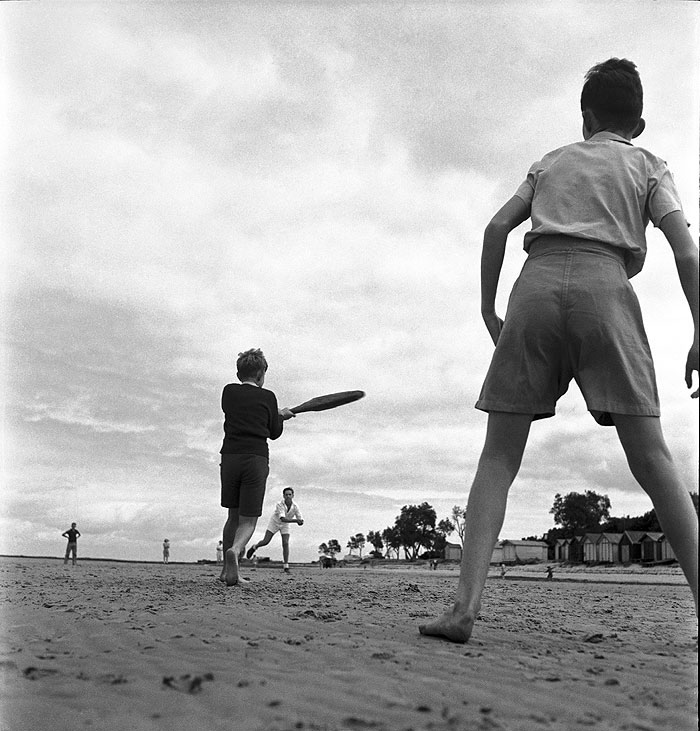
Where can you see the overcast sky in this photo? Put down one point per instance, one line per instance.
(183, 181)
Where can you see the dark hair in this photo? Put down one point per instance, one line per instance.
(291, 489)
(251, 364)
(613, 92)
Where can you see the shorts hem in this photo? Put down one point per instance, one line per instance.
(604, 416)
(537, 412)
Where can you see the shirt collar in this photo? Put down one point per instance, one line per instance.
(605, 135)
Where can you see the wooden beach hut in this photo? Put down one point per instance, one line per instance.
(655, 547)
(453, 551)
(589, 550)
(608, 547)
(524, 551)
(576, 549)
(651, 550)
(561, 549)
(631, 547)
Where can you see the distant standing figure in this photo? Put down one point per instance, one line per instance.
(72, 535)
(503, 571)
(550, 573)
(220, 553)
(166, 550)
(286, 512)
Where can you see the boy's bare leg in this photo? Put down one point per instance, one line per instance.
(506, 437)
(653, 467)
(244, 532)
(229, 534)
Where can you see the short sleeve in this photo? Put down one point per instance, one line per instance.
(662, 196)
(526, 189)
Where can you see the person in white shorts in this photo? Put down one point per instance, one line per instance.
(286, 512)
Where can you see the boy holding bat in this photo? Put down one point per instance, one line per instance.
(251, 417)
(574, 314)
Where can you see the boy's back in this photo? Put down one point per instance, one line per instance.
(251, 418)
(602, 189)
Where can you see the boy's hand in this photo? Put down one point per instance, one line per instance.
(286, 414)
(494, 325)
(300, 522)
(692, 364)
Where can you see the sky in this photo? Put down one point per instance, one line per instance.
(183, 181)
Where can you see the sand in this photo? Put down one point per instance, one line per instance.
(132, 646)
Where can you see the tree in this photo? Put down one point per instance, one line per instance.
(330, 548)
(374, 538)
(392, 540)
(459, 515)
(443, 529)
(416, 528)
(579, 512)
(356, 543)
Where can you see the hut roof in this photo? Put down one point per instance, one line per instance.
(611, 537)
(525, 543)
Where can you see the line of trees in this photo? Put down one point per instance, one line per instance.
(416, 531)
(577, 513)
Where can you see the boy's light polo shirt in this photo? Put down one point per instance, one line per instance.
(602, 189)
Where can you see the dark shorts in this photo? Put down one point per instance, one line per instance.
(243, 479)
(572, 314)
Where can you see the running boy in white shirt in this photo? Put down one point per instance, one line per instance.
(286, 512)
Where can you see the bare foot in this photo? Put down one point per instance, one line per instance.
(450, 627)
(231, 568)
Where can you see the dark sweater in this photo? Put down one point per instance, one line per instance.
(251, 417)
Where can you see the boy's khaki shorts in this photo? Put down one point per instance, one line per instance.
(572, 314)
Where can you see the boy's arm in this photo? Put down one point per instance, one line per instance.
(511, 215)
(675, 229)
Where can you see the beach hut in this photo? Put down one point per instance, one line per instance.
(453, 551)
(608, 547)
(651, 548)
(576, 549)
(561, 549)
(631, 547)
(497, 554)
(655, 547)
(588, 546)
(524, 551)
(666, 551)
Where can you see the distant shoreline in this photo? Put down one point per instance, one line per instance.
(601, 574)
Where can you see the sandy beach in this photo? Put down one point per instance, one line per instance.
(133, 646)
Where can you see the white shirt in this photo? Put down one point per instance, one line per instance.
(281, 511)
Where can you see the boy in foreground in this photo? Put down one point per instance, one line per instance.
(251, 417)
(286, 512)
(574, 314)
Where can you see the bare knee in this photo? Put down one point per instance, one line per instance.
(649, 464)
